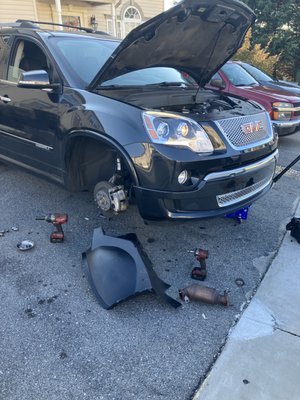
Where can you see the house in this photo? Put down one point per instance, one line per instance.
(117, 17)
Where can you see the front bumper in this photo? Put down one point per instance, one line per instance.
(217, 194)
(286, 127)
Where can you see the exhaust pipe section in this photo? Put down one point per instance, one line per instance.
(203, 294)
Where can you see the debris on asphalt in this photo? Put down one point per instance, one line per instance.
(119, 268)
(57, 220)
(239, 282)
(30, 313)
(63, 355)
(204, 294)
(204, 316)
(294, 227)
(25, 245)
(199, 273)
(13, 228)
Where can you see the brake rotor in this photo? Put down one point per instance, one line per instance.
(102, 196)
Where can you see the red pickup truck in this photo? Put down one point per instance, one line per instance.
(284, 109)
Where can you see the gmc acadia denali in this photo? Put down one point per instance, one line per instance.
(132, 119)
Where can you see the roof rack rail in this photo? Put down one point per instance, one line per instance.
(24, 23)
(13, 25)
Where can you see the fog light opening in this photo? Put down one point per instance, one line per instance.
(183, 177)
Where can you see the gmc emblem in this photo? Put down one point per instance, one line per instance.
(252, 127)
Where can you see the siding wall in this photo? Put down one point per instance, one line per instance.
(44, 10)
(147, 8)
(11, 10)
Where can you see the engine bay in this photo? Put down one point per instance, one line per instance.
(201, 103)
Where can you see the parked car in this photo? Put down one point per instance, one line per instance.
(266, 80)
(127, 120)
(284, 110)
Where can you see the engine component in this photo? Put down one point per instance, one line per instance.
(110, 198)
(204, 294)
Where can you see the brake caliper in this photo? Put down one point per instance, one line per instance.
(110, 198)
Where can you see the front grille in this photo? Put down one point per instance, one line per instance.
(230, 198)
(244, 132)
(297, 113)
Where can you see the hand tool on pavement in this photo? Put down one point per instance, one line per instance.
(57, 220)
(199, 273)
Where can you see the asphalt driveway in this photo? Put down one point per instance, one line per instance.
(56, 342)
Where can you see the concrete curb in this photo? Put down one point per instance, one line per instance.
(261, 359)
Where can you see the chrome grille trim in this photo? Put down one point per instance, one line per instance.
(232, 130)
(238, 171)
(230, 198)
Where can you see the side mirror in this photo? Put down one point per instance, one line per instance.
(218, 83)
(38, 79)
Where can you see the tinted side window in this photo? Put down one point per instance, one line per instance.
(4, 48)
(217, 77)
(27, 57)
(3, 44)
(237, 75)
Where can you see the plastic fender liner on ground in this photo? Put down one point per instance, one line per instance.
(118, 269)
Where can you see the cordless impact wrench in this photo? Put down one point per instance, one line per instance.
(57, 220)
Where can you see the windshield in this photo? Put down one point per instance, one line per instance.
(256, 73)
(237, 75)
(83, 57)
(152, 76)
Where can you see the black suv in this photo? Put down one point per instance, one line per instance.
(131, 119)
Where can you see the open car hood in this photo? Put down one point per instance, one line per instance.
(196, 36)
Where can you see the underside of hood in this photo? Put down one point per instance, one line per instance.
(196, 37)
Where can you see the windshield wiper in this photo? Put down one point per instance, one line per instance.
(160, 84)
(115, 87)
(247, 84)
(168, 84)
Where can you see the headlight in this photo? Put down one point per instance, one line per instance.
(282, 111)
(174, 130)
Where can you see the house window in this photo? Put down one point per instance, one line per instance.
(110, 28)
(131, 19)
(132, 13)
(72, 20)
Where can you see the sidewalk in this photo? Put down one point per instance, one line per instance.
(261, 359)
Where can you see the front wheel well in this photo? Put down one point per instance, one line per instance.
(89, 161)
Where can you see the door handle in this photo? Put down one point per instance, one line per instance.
(5, 99)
